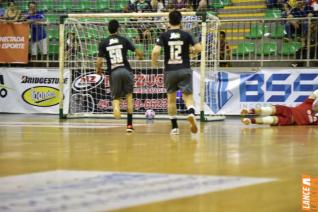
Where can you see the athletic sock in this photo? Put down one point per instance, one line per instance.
(174, 123)
(129, 119)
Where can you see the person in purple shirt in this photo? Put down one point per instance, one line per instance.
(38, 31)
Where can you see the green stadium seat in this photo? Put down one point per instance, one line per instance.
(277, 31)
(118, 6)
(53, 49)
(256, 31)
(227, 2)
(92, 50)
(290, 48)
(268, 48)
(52, 18)
(244, 49)
(103, 5)
(53, 33)
(217, 4)
(273, 13)
(84, 6)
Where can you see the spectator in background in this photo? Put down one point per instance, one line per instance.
(313, 45)
(157, 5)
(2, 11)
(296, 28)
(224, 50)
(38, 31)
(142, 6)
(12, 13)
(181, 5)
(144, 29)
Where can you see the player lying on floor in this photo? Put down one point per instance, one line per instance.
(304, 114)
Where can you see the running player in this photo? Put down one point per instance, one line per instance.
(177, 45)
(304, 114)
(114, 48)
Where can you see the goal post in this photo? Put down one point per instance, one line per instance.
(88, 94)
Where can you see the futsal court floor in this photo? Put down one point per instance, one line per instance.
(94, 165)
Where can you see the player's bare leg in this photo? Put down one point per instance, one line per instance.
(130, 108)
(271, 120)
(172, 112)
(262, 111)
(116, 108)
(188, 99)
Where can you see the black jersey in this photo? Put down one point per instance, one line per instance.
(176, 44)
(114, 49)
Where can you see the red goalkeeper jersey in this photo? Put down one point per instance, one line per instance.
(303, 113)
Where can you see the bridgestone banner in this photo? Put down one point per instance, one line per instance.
(30, 90)
(14, 42)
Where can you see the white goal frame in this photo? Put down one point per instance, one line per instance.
(212, 69)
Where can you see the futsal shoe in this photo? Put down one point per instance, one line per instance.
(175, 131)
(117, 113)
(193, 123)
(247, 112)
(246, 121)
(244, 112)
(130, 129)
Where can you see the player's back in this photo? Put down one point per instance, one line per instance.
(176, 44)
(303, 113)
(114, 48)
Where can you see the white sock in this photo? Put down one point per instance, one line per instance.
(266, 111)
(268, 120)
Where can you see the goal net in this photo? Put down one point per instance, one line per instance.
(89, 93)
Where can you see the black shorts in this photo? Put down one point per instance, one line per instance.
(179, 80)
(121, 82)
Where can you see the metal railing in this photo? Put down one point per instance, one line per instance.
(249, 43)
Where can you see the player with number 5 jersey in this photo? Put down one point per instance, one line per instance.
(177, 45)
(114, 49)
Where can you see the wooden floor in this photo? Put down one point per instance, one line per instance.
(35, 144)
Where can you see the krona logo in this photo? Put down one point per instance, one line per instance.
(174, 35)
(3, 90)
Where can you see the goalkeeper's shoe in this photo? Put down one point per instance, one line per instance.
(246, 121)
(116, 113)
(193, 123)
(130, 129)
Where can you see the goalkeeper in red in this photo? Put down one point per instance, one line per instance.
(177, 45)
(114, 49)
(278, 115)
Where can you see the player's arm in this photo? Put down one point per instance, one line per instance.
(139, 54)
(197, 48)
(314, 95)
(155, 55)
(99, 65)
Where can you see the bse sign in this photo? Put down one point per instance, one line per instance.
(231, 92)
(280, 87)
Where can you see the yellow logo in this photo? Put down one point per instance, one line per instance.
(41, 96)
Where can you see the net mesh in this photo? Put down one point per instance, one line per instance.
(90, 93)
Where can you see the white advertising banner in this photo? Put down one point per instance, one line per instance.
(30, 90)
(231, 92)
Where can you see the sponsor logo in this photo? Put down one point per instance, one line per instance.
(3, 89)
(41, 80)
(174, 35)
(113, 40)
(309, 197)
(261, 88)
(87, 82)
(253, 87)
(41, 96)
